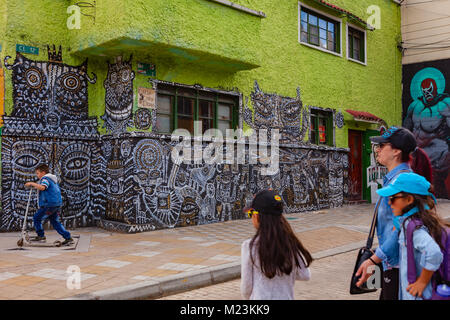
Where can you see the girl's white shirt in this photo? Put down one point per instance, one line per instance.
(256, 286)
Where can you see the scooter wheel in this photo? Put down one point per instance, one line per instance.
(20, 243)
(57, 243)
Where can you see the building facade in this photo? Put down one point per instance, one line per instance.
(97, 88)
(426, 92)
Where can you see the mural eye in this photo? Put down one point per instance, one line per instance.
(113, 77)
(76, 164)
(189, 206)
(71, 82)
(154, 174)
(33, 77)
(27, 161)
(115, 187)
(142, 176)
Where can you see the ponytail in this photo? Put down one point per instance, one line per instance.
(421, 164)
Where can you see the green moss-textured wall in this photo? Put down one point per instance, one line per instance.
(203, 37)
(190, 42)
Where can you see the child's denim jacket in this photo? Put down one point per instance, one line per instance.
(427, 254)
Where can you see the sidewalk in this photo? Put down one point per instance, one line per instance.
(160, 263)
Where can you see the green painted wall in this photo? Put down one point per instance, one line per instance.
(194, 41)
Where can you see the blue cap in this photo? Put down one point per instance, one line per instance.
(409, 183)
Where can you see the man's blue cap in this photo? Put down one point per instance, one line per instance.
(408, 183)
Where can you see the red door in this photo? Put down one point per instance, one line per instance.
(355, 173)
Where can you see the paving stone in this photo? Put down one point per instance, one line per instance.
(196, 248)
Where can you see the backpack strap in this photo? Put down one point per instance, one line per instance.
(445, 265)
(373, 226)
(411, 263)
(375, 217)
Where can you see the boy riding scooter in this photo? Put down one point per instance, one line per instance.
(50, 202)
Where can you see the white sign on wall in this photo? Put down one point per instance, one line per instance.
(146, 98)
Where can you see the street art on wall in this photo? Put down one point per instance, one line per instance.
(426, 112)
(50, 124)
(127, 181)
(119, 96)
(50, 89)
(50, 98)
(272, 111)
(150, 191)
(146, 190)
(77, 164)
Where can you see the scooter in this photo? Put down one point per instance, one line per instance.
(27, 240)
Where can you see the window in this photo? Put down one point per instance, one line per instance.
(179, 106)
(321, 127)
(356, 45)
(163, 119)
(319, 31)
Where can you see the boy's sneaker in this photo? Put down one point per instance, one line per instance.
(67, 242)
(38, 238)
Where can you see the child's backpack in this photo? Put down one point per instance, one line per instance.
(442, 275)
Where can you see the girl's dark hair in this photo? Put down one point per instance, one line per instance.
(430, 218)
(278, 247)
(421, 164)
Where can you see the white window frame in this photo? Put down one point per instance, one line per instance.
(348, 44)
(336, 19)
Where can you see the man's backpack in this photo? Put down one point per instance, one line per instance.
(442, 275)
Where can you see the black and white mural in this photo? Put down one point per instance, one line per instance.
(146, 190)
(272, 111)
(119, 96)
(77, 164)
(128, 182)
(155, 192)
(49, 124)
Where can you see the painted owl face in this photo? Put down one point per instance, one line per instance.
(119, 90)
(276, 112)
(49, 91)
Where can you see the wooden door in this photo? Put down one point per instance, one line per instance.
(355, 170)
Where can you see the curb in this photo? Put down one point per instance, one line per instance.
(166, 286)
(154, 289)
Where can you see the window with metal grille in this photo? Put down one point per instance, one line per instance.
(179, 106)
(356, 44)
(321, 129)
(320, 31)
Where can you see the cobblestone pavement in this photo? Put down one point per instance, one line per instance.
(112, 260)
(330, 280)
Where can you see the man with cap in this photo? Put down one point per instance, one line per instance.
(392, 150)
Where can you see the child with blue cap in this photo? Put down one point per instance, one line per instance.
(411, 201)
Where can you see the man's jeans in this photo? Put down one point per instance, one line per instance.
(52, 214)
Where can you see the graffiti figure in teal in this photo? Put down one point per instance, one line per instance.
(428, 117)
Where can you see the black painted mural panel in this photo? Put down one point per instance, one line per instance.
(129, 182)
(426, 112)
